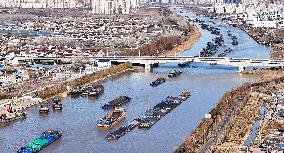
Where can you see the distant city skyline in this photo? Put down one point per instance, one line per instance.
(115, 6)
(235, 1)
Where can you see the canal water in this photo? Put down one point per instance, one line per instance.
(247, 48)
(255, 128)
(207, 84)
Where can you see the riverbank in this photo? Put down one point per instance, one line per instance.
(269, 37)
(239, 128)
(265, 75)
(86, 80)
(232, 119)
(61, 89)
(241, 125)
(185, 45)
(206, 131)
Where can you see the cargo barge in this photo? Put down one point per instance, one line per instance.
(228, 50)
(96, 90)
(114, 117)
(89, 90)
(116, 102)
(122, 131)
(174, 73)
(56, 105)
(44, 109)
(184, 64)
(158, 82)
(151, 116)
(42, 142)
(13, 116)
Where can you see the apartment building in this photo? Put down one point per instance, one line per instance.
(113, 6)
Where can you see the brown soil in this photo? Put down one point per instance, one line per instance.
(266, 75)
(186, 45)
(239, 129)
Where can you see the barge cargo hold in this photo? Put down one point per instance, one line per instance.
(112, 118)
(42, 142)
(121, 131)
(116, 102)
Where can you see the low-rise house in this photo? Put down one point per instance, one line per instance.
(102, 64)
(266, 24)
(8, 78)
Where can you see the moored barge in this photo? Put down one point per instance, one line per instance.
(13, 116)
(42, 142)
(44, 109)
(96, 90)
(57, 105)
(89, 90)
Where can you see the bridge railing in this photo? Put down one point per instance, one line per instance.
(182, 58)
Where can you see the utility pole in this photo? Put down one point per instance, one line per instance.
(260, 130)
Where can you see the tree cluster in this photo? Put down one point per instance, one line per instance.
(155, 47)
(52, 91)
(99, 75)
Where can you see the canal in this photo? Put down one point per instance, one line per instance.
(207, 84)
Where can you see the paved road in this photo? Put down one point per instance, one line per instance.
(220, 131)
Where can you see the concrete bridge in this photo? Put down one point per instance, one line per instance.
(242, 63)
(149, 61)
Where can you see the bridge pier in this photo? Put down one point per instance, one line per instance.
(148, 67)
(241, 68)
